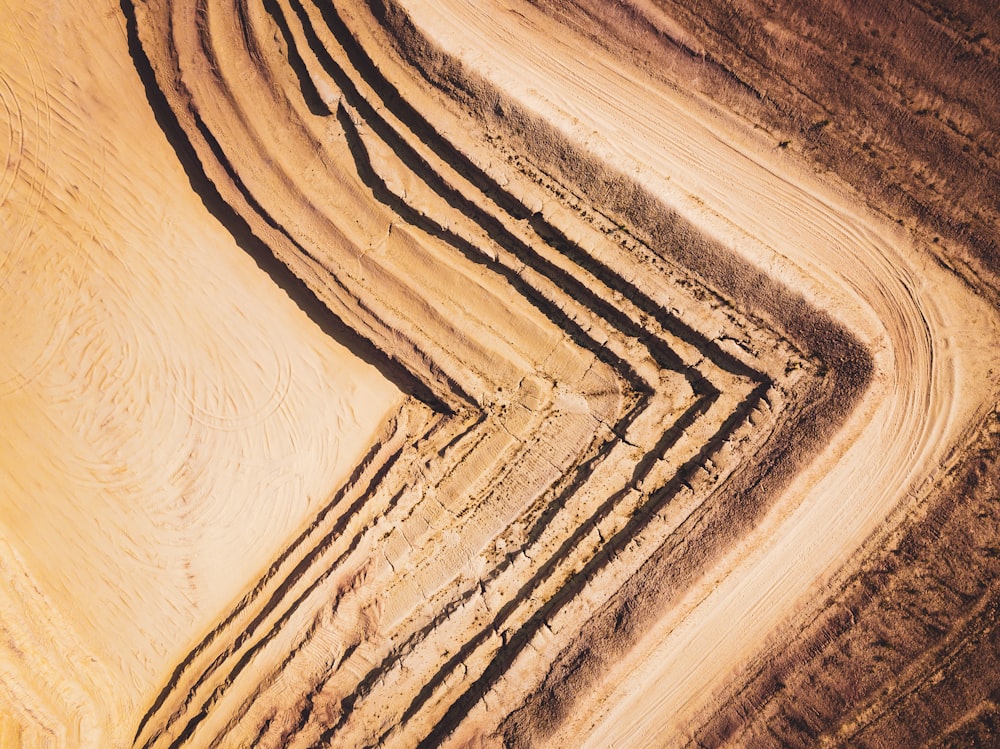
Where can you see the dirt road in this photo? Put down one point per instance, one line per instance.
(934, 341)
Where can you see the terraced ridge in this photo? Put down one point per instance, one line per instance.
(598, 411)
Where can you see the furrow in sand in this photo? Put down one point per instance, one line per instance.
(905, 315)
(823, 338)
(286, 572)
(458, 220)
(672, 407)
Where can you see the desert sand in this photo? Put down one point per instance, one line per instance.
(170, 415)
(404, 373)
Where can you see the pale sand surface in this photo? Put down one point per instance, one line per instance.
(173, 423)
(170, 418)
(935, 344)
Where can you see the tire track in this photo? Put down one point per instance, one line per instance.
(289, 570)
(13, 120)
(608, 296)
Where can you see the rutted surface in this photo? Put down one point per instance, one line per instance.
(457, 235)
(661, 384)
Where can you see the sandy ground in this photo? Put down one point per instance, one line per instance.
(170, 416)
(935, 343)
(222, 527)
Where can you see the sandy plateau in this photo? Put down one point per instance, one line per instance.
(405, 373)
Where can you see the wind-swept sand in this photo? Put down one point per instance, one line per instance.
(170, 416)
(412, 373)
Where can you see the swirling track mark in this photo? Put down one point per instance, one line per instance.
(104, 355)
(197, 402)
(39, 332)
(46, 300)
(13, 119)
(65, 274)
(47, 303)
(21, 375)
(30, 130)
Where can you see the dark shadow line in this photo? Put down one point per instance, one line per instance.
(494, 228)
(271, 572)
(382, 194)
(310, 94)
(512, 648)
(462, 164)
(296, 289)
(562, 320)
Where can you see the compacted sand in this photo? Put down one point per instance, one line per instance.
(404, 373)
